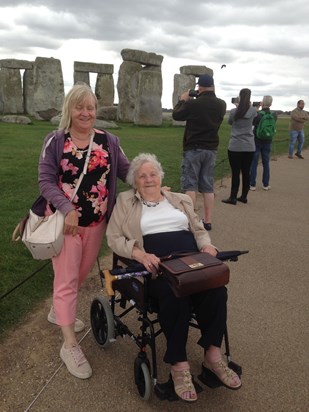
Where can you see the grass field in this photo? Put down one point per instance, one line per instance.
(19, 153)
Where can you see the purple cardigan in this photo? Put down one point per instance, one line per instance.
(49, 162)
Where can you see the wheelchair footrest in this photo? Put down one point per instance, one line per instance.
(165, 391)
(210, 379)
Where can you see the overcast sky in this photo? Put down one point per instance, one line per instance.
(264, 44)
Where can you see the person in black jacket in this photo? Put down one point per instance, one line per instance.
(204, 115)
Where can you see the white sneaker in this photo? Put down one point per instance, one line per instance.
(76, 362)
(266, 187)
(252, 188)
(78, 326)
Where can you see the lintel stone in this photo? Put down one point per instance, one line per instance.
(196, 70)
(93, 67)
(16, 64)
(142, 57)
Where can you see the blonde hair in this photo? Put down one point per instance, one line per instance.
(78, 93)
(136, 164)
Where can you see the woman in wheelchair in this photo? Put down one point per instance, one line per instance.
(148, 223)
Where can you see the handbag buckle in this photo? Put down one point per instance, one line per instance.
(196, 265)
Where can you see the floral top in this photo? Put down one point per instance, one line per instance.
(91, 197)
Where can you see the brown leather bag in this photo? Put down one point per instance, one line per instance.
(194, 273)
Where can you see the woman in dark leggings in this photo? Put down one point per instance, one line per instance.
(147, 223)
(241, 146)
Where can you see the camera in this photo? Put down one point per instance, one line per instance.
(235, 100)
(193, 93)
(256, 104)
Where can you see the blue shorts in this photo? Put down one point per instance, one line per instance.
(198, 169)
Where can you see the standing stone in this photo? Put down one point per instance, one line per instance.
(148, 109)
(127, 86)
(48, 87)
(18, 65)
(107, 113)
(140, 87)
(11, 94)
(1, 92)
(104, 89)
(182, 82)
(81, 77)
(28, 92)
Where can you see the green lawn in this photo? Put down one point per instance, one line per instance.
(20, 148)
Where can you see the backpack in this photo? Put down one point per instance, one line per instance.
(266, 128)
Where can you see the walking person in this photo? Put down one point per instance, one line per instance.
(61, 163)
(241, 146)
(204, 115)
(264, 131)
(298, 118)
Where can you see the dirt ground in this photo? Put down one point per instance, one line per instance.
(267, 320)
(30, 354)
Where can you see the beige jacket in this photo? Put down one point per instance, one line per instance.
(298, 119)
(124, 230)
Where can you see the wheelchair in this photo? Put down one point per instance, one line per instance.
(126, 293)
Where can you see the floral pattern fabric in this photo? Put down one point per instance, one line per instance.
(91, 197)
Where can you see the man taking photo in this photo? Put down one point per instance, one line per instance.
(204, 115)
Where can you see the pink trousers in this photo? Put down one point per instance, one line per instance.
(71, 267)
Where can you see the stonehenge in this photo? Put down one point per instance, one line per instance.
(140, 88)
(36, 88)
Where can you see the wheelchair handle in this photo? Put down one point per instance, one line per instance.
(118, 274)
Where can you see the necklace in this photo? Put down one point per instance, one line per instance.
(81, 151)
(149, 204)
(81, 141)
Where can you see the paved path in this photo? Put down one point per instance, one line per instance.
(268, 320)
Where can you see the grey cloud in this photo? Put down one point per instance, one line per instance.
(267, 37)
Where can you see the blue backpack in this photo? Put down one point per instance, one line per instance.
(266, 128)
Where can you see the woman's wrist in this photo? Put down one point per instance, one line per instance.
(137, 254)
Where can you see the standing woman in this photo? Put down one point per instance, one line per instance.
(61, 163)
(241, 146)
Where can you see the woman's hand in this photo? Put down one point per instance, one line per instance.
(71, 223)
(149, 260)
(210, 249)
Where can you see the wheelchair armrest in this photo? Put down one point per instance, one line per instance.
(131, 264)
(231, 255)
(120, 259)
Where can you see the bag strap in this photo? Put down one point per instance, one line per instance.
(177, 255)
(84, 172)
(18, 231)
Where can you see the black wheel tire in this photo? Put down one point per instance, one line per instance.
(102, 322)
(143, 378)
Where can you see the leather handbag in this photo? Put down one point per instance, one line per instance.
(43, 235)
(194, 273)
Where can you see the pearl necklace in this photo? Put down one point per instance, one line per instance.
(148, 203)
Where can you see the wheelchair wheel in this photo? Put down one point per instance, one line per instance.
(102, 322)
(142, 378)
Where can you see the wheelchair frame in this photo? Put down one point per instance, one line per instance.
(107, 326)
